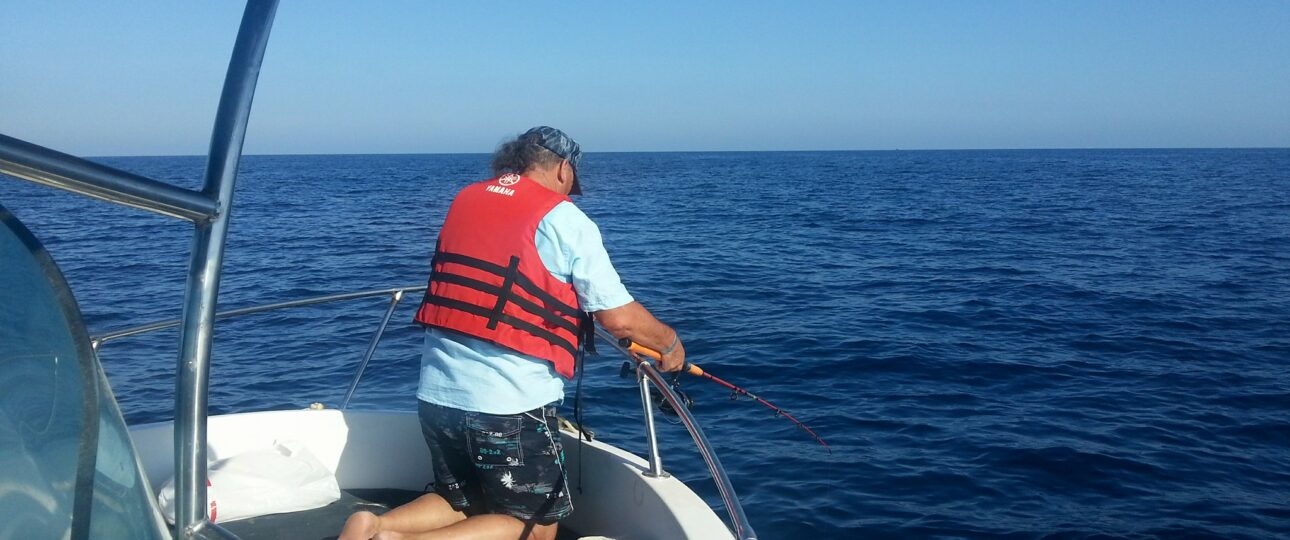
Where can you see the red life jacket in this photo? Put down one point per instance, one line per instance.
(488, 280)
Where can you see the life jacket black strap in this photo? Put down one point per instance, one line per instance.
(523, 303)
(504, 294)
(523, 281)
(515, 322)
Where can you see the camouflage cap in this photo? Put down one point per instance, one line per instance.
(561, 145)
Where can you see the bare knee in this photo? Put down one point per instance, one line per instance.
(541, 532)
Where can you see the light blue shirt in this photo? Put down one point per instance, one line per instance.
(475, 375)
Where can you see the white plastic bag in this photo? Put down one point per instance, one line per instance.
(285, 478)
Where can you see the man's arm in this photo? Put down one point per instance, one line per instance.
(636, 323)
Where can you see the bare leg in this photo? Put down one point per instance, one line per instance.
(481, 527)
(427, 513)
(362, 525)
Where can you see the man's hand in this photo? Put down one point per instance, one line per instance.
(674, 360)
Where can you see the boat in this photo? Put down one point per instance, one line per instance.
(70, 466)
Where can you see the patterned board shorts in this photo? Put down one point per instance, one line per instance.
(498, 464)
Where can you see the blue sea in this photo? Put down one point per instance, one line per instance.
(995, 344)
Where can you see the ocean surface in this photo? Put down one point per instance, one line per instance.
(995, 344)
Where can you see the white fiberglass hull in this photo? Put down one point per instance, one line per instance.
(384, 449)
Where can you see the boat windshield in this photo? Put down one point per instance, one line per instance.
(60, 427)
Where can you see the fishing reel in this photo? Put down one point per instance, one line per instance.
(664, 405)
(656, 395)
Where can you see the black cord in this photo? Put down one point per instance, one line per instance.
(588, 331)
(577, 415)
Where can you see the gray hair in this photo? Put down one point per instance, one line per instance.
(522, 154)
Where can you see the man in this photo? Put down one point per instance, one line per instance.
(516, 269)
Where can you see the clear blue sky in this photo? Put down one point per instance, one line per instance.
(142, 78)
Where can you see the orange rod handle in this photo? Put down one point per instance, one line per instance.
(642, 350)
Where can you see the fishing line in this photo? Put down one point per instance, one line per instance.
(735, 391)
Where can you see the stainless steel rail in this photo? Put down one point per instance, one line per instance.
(209, 211)
(145, 328)
(192, 372)
(646, 374)
(396, 295)
(41, 165)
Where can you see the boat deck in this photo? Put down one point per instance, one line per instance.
(325, 523)
(320, 523)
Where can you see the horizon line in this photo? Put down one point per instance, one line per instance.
(1036, 149)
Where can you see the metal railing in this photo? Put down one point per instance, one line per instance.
(646, 375)
(396, 295)
(208, 210)
(63, 171)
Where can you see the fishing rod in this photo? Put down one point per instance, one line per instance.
(736, 391)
